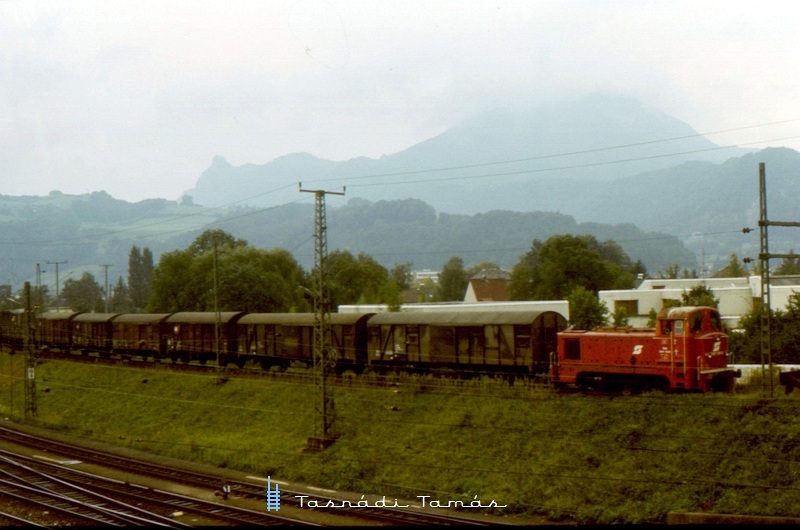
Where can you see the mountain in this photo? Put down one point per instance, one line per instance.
(410, 230)
(447, 197)
(495, 161)
(94, 233)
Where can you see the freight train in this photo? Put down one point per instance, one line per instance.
(686, 351)
(511, 342)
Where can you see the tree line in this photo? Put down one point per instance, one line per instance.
(219, 272)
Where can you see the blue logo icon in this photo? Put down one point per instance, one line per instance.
(273, 497)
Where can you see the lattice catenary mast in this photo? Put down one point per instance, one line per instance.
(324, 354)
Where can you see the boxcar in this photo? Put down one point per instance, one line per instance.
(474, 343)
(12, 328)
(91, 332)
(143, 334)
(280, 339)
(55, 329)
(193, 336)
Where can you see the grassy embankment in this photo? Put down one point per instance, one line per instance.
(592, 459)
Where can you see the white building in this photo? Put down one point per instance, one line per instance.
(736, 295)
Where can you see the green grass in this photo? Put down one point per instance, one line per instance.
(626, 459)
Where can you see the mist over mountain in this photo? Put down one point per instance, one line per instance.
(431, 202)
(500, 160)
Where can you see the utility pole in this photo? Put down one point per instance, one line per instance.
(216, 318)
(39, 295)
(764, 257)
(105, 275)
(324, 355)
(30, 361)
(58, 296)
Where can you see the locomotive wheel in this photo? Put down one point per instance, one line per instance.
(241, 362)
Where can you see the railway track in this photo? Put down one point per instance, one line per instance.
(245, 489)
(24, 480)
(106, 501)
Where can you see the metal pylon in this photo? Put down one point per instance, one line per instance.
(764, 257)
(30, 360)
(324, 355)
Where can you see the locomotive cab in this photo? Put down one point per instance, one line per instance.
(694, 343)
(687, 350)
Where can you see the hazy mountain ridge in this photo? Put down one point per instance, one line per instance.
(494, 161)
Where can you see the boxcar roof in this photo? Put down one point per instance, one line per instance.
(467, 318)
(141, 318)
(94, 317)
(207, 317)
(58, 315)
(302, 319)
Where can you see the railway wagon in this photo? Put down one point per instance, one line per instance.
(12, 328)
(91, 332)
(473, 343)
(55, 329)
(282, 339)
(687, 350)
(140, 334)
(199, 336)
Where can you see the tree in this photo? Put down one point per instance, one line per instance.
(520, 286)
(5, 298)
(120, 300)
(733, 269)
(674, 271)
(247, 279)
(354, 280)
(400, 274)
(208, 239)
(652, 318)
(788, 266)
(586, 311)
(620, 317)
(176, 286)
(255, 280)
(426, 290)
(784, 333)
(452, 281)
(140, 276)
(84, 294)
(700, 295)
(554, 268)
(486, 267)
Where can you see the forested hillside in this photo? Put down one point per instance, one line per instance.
(90, 231)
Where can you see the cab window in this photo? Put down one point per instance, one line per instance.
(695, 322)
(716, 322)
(678, 327)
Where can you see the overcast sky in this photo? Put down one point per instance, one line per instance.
(137, 97)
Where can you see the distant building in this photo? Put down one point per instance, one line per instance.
(426, 274)
(737, 296)
(488, 286)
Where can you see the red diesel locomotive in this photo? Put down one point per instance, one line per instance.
(687, 350)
